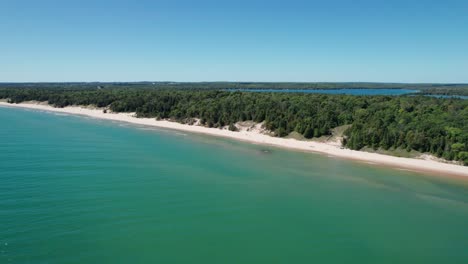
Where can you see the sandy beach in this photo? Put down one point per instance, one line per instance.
(255, 136)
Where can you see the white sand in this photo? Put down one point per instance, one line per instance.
(255, 136)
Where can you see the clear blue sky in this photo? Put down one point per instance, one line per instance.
(237, 40)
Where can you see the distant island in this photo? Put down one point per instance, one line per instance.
(409, 126)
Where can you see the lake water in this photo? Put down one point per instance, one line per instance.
(334, 91)
(79, 190)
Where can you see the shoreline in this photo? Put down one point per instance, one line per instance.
(333, 150)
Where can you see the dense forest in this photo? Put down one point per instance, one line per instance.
(424, 124)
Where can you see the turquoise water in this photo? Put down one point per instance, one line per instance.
(335, 91)
(78, 190)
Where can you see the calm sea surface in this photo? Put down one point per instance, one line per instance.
(78, 190)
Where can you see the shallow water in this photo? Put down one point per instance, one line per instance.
(77, 190)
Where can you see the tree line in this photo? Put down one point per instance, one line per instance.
(424, 88)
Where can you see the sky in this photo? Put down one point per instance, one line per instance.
(271, 41)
